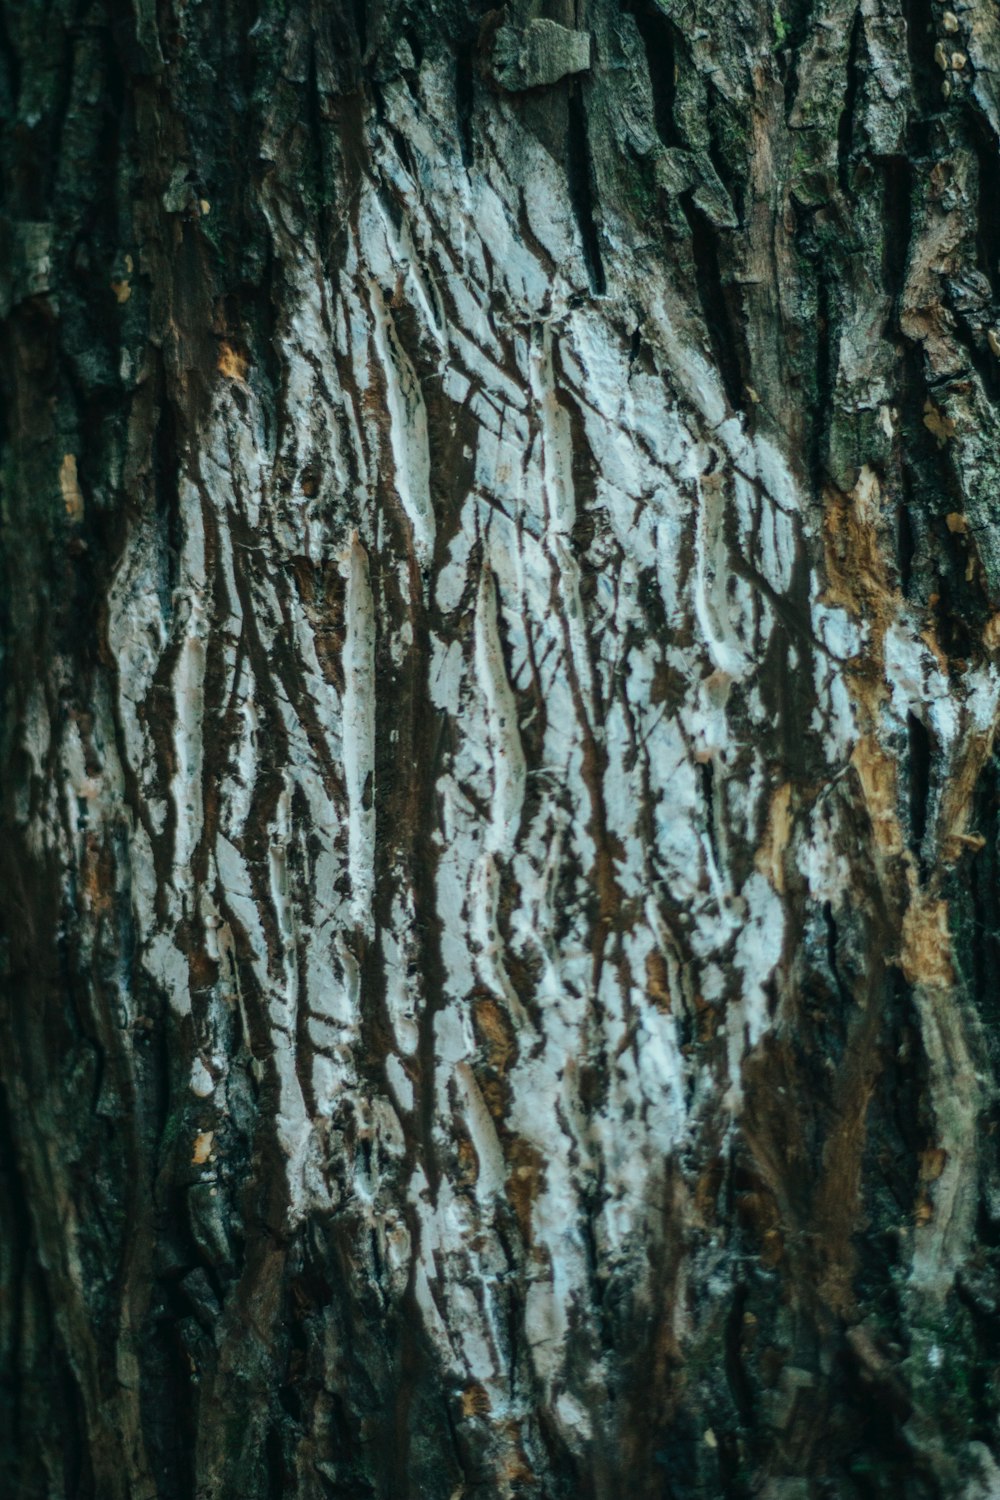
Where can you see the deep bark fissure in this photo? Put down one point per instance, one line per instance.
(819, 435)
(921, 761)
(713, 295)
(580, 173)
(846, 123)
(465, 99)
(658, 38)
(918, 21)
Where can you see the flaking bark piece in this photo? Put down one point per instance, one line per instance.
(538, 56)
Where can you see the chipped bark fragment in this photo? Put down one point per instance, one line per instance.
(942, 426)
(926, 951)
(539, 55)
(231, 362)
(69, 484)
(202, 1148)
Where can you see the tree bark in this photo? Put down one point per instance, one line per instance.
(500, 629)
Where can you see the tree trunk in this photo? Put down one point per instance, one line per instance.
(501, 657)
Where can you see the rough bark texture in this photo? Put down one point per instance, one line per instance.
(500, 627)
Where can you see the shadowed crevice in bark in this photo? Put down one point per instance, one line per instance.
(166, 461)
(919, 22)
(897, 210)
(987, 151)
(847, 124)
(825, 375)
(921, 760)
(580, 176)
(360, 10)
(716, 299)
(465, 98)
(658, 38)
(843, 990)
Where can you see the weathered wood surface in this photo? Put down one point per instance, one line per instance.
(500, 628)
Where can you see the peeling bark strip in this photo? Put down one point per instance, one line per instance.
(501, 834)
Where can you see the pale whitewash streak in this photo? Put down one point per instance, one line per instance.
(517, 505)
